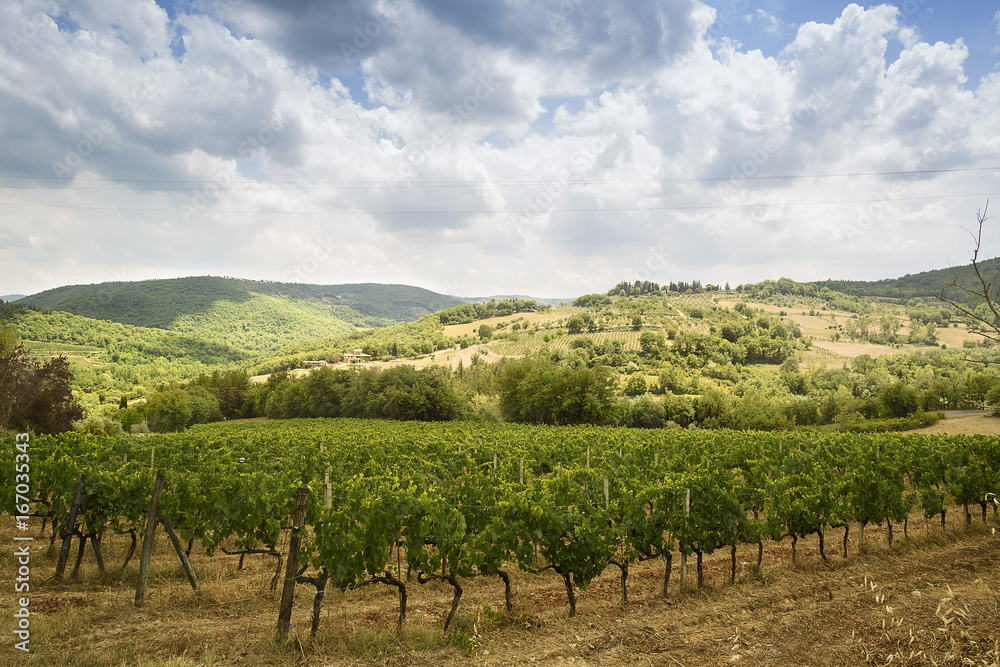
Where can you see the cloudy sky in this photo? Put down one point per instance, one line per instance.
(543, 147)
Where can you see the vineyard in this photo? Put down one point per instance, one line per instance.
(371, 502)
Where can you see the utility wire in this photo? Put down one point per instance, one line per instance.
(59, 183)
(540, 211)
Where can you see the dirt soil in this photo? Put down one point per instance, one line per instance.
(931, 599)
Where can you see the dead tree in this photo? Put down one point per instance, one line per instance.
(986, 291)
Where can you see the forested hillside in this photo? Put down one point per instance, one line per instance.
(116, 359)
(925, 284)
(254, 316)
(772, 355)
(399, 303)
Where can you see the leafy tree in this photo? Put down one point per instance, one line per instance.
(652, 343)
(592, 301)
(679, 409)
(538, 391)
(645, 411)
(33, 396)
(408, 394)
(169, 410)
(575, 325)
(485, 332)
(635, 385)
(898, 400)
(128, 418)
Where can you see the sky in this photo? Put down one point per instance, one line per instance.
(542, 147)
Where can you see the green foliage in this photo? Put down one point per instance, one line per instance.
(538, 391)
(468, 498)
(640, 288)
(169, 410)
(897, 400)
(470, 312)
(400, 393)
(99, 425)
(653, 344)
(34, 396)
(644, 411)
(575, 325)
(162, 303)
(635, 385)
(592, 301)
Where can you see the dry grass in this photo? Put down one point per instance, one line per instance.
(941, 586)
(964, 425)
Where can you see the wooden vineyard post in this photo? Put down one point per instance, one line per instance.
(70, 523)
(607, 498)
(147, 541)
(684, 557)
(522, 471)
(965, 491)
(292, 564)
(188, 570)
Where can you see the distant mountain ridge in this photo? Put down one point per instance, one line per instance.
(11, 297)
(255, 316)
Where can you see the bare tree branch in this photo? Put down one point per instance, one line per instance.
(984, 291)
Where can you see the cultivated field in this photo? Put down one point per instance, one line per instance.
(930, 597)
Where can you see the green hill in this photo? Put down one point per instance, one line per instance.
(409, 339)
(926, 284)
(254, 316)
(114, 358)
(399, 303)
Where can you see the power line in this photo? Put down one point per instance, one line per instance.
(57, 183)
(631, 209)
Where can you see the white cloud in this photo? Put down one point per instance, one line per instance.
(605, 124)
(772, 24)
